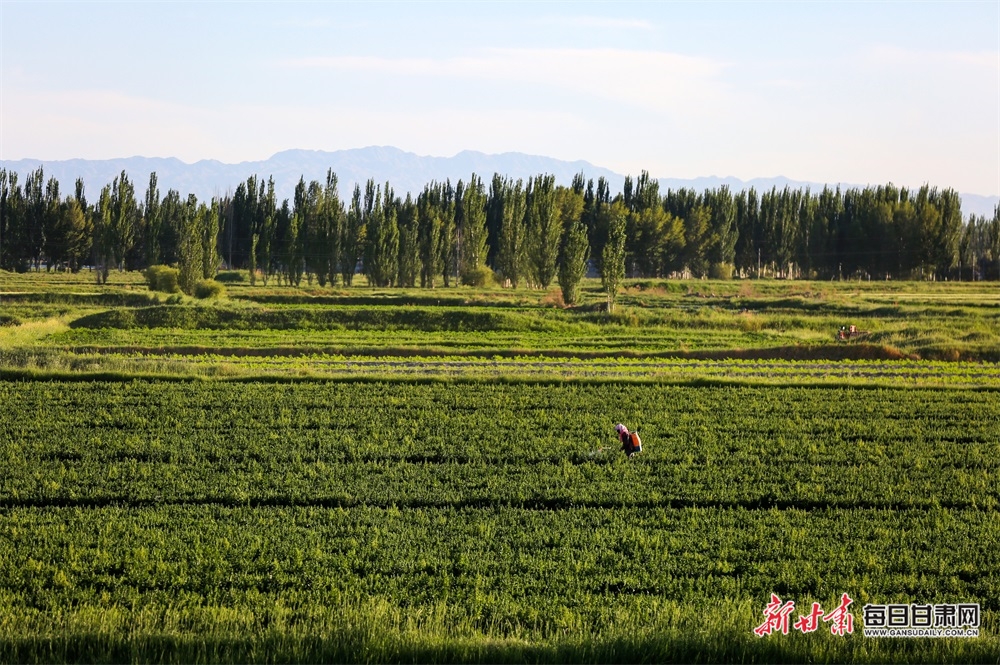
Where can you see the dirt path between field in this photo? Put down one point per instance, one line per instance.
(831, 352)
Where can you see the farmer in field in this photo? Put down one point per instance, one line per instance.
(629, 440)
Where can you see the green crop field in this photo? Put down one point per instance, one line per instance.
(303, 475)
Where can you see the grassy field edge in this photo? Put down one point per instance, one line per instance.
(21, 375)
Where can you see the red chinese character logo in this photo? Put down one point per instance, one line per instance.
(810, 622)
(842, 620)
(776, 615)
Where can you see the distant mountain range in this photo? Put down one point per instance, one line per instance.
(405, 171)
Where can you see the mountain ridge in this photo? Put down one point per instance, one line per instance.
(405, 172)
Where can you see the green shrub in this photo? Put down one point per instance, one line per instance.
(8, 320)
(720, 271)
(163, 279)
(231, 277)
(311, 318)
(481, 276)
(209, 288)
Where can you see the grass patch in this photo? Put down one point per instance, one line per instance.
(793, 319)
(294, 318)
(30, 333)
(376, 631)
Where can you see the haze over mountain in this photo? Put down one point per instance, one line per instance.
(405, 172)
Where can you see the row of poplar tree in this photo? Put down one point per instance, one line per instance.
(529, 232)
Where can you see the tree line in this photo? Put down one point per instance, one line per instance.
(524, 232)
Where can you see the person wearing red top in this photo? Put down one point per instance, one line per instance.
(629, 440)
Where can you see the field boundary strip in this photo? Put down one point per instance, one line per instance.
(29, 375)
(795, 352)
(535, 504)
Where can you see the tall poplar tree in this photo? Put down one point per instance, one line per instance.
(190, 250)
(473, 230)
(353, 238)
(544, 231)
(33, 217)
(409, 242)
(511, 260)
(696, 240)
(613, 261)
(449, 248)
(171, 220)
(103, 240)
(77, 232)
(595, 215)
(54, 242)
(151, 221)
(333, 223)
(124, 215)
(430, 229)
(573, 266)
(723, 233)
(991, 255)
(294, 260)
(310, 237)
(5, 193)
(266, 242)
(382, 244)
(494, 218)
(208, 223)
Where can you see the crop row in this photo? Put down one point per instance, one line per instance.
(476, 443)
(551, 365)
(185, 583)
(205, 512)
(580, 560)
(603, 338)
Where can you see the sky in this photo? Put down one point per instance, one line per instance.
(852, 92)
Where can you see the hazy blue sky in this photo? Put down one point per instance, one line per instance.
(857, 92)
